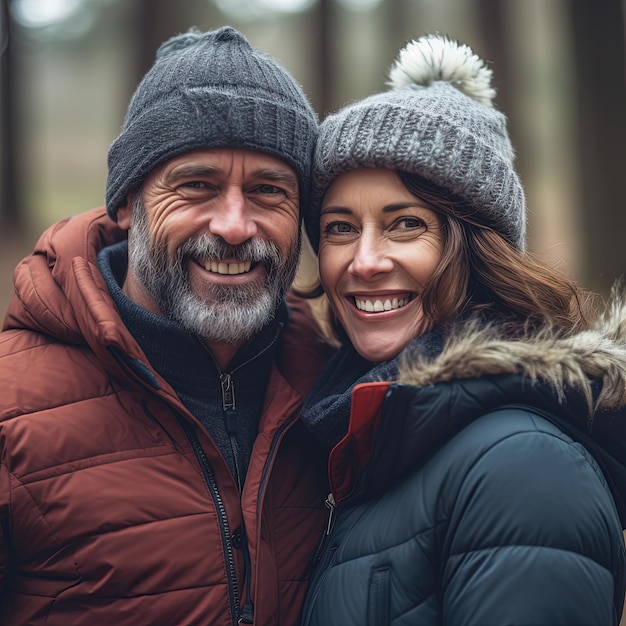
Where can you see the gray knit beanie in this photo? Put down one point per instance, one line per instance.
(438, 122)
(208, 90)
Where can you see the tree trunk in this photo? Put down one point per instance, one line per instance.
(601, 117)
(10, 213)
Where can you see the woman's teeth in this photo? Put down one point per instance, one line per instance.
(376, 306)
(219, 267)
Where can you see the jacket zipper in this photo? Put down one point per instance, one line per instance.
(264, 476)
(322, 560)
(331, 505)
(209, 477)
(317, 562)
(229, 406)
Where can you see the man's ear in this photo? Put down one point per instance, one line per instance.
(125, 213)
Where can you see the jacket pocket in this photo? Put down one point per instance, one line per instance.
(378, 597)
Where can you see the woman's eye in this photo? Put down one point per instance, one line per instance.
(339, 228)
(409, 223)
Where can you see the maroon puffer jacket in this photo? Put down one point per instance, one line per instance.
(115, 505)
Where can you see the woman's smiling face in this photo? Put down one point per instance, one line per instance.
(379, 246)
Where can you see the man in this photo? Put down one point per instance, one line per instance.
(153, 467)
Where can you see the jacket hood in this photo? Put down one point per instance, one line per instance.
(60, 292)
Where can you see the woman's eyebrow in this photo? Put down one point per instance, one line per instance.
(340, 210)
(401, 206)
(389, 208)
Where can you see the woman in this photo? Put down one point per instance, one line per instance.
(481, 475)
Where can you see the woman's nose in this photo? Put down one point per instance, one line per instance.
(370, 257)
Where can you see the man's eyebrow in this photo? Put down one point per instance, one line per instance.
(190, 171)
(278, 176)
(199, 171)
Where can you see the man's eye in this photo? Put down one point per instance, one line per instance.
(194, 184)
(268, 189)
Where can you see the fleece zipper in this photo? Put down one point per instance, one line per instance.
(229, 406)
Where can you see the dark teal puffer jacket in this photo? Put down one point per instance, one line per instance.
(481, 490)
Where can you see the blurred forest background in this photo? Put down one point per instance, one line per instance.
(68, 68)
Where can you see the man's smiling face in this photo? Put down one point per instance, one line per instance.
(214, 241)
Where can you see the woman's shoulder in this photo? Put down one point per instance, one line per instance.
(514, 472)
(523, 503)
(522, 443)
(511, 425)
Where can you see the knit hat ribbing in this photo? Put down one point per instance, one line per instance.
(209, 90)
(437, 122)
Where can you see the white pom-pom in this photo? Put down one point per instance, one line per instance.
(438, 58)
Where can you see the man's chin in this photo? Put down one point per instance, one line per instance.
(229, 319)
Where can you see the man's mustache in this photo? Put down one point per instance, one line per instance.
(212, 247)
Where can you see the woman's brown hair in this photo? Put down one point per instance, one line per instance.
(481, 273)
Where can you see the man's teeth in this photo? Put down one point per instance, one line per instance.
(376, 306)
(219, 267)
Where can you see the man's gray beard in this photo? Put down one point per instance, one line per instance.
(229, 313)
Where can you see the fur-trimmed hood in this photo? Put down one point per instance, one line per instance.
(592, 362)
(578, 383)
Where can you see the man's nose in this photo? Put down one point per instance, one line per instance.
(231, 219)
(370, 257)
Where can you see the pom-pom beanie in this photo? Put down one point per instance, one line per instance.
(206, 90)
(438, 122)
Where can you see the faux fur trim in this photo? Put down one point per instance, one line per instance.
(574, 362)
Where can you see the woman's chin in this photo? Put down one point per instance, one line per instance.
(379, 349)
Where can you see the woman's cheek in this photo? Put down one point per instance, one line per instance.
(325, 265)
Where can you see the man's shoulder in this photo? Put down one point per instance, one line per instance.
(38, 372)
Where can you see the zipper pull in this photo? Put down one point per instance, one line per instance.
(228, 392)
(247, 614)
(331, 505)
